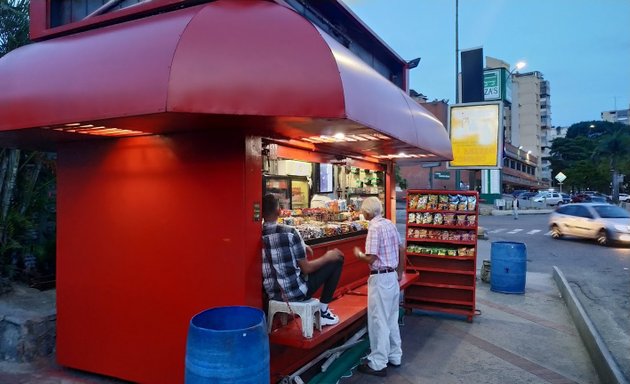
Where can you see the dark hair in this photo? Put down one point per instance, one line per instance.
(269, 205)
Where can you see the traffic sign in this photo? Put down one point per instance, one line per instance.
(561, 177)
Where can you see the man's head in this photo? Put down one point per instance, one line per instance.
(371, 207)
(270, 208)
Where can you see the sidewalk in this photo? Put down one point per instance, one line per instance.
(528, 338)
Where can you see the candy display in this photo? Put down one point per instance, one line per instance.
(441, 202)
(440, 250)
(317, 223)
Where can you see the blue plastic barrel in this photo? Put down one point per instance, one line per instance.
(508, 266)
(227, 345)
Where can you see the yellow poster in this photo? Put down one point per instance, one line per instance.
(474, 133)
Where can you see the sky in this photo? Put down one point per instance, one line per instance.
(582, 47)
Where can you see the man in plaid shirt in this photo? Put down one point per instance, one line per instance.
(383, 248)
(285, 264)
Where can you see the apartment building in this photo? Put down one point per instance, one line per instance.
(531, 113)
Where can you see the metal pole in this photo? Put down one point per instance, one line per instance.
(457, 171)
(456, 51)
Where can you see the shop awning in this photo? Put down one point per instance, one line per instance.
(243, 63)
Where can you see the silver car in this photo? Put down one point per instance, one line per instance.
(603, 222)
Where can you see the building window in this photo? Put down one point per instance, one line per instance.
(68, 11)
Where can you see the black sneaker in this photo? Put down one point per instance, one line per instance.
(329, 318)
(390, 364)
(365, 368)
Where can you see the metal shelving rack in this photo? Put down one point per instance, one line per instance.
(443, 253)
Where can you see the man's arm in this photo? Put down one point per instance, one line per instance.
(310, 266)
(402, 261)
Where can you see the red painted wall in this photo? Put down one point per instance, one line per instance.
(152, 230)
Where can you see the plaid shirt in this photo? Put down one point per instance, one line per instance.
(383, 240)
(283, 246)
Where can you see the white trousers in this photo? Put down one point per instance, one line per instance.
(383, 304)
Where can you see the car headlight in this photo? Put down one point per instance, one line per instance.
(622, 228)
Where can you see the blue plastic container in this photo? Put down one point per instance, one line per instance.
(508, 266)
(227, 345)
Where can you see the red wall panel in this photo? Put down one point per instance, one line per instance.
(151, 230)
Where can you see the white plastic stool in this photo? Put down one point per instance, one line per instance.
(307, 310)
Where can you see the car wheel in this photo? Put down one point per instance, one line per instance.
(555, 232)
(602, 237)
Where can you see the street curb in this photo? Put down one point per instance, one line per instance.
(604, 363)
(498, 212)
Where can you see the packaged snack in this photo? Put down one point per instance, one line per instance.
(419, 219)
(410, 233)
(443, 202)
(433, 234)
(470, 252)
(463, 251)
(452, 202)
(451, 252)
(433, 202)
(462, 203)
(427, 218)
(460, 220)
(471, 220)
(441, 251)
(412, 218)
(444, 235)
(449, 219)
(422, 233)
(413, 201)
(438, 219)
(464, 236)
(422, 202)
(472, 203)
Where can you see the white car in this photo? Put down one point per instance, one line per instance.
(603, 222)
(624, 197)
(549, 198)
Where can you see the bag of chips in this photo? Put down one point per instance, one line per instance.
(472, 203)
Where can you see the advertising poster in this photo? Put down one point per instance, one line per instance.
(475, 135)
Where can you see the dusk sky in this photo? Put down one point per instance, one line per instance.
(582, 47)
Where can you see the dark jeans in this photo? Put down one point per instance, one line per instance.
(328, 276)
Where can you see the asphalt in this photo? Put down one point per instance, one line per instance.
(515, 338)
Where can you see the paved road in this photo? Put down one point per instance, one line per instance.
(600, 276)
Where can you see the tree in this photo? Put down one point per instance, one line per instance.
(613, 147)
(27, 180)
(584, 154)
(13, 25)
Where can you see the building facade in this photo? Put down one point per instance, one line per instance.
(617, 116)
(531, 113)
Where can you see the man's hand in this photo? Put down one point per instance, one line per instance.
(334, 255)
(358, 253)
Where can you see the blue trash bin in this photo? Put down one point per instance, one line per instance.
(508, 267)
(228, 345)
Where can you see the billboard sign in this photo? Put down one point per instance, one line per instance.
(476, 137)
(492, 85)
(496, 85)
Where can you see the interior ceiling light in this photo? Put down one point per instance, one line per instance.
(341, 138)
(405, 156)
(89, 129)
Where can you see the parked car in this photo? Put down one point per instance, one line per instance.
(549, 198)
(566, 198)
(603, 222)
(517, 192)
(624, 197)
(592, 197)
(526, 195)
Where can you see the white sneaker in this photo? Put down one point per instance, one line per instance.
(329, 318)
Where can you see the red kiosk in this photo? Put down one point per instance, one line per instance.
(161, 125)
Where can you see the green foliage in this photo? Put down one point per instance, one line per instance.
(400, 181)
(27, 181)
(590, 152)
(14, 24)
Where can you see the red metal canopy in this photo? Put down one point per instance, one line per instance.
(245, 63)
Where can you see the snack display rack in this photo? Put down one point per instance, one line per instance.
(441, 234)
